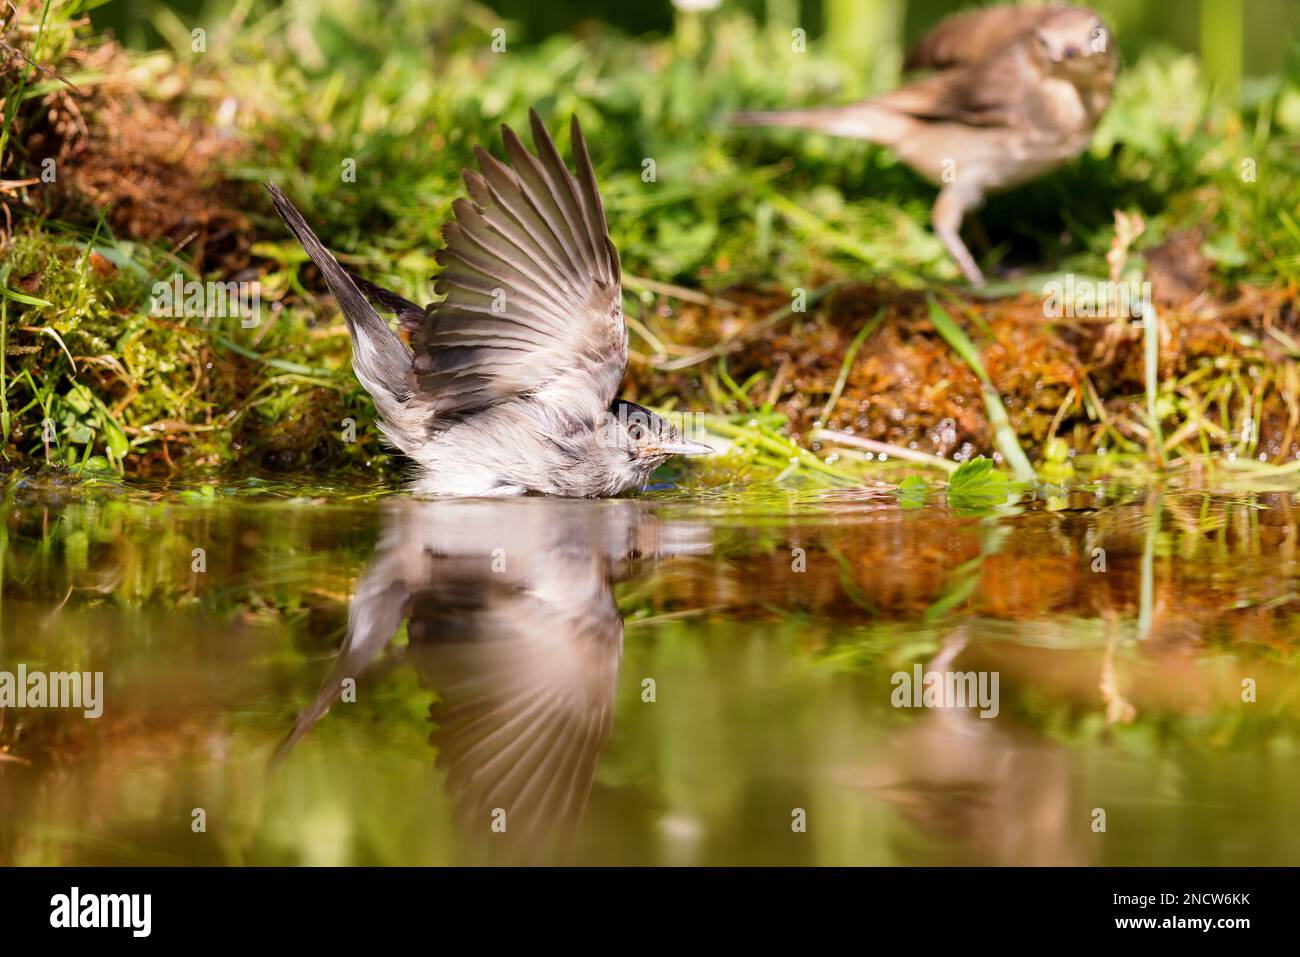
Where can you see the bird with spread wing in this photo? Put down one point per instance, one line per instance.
(510, 385)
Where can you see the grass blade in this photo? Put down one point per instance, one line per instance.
(1151, 358)
(1004, 436)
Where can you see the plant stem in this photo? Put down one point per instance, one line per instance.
(883, 448)
(1151, 340)
(1004, 436)
(843, 379)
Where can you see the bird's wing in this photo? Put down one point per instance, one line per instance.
(408, 313)
(987, 93)
(525, 703)
(975, 35)
(532, 283)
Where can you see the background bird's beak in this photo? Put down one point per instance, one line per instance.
(682, 447)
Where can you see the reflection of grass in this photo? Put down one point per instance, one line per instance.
(1146, 599)
(965, 580)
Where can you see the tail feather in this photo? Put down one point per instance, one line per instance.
(375, 614)
(379, 358)
(861, 121)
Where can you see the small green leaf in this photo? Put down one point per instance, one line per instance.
(1057, 451)
(1226, 250)
(80, 399)
(78, 432)
(912, 492)
(114, 437)
(971, 471)
(95, 464)
(977, 486)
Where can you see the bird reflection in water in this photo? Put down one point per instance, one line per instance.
(513, 626)
(980, 791)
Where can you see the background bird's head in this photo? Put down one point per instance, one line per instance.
(1074, 44)
(636, 441)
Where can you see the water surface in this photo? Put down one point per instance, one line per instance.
(684, 678)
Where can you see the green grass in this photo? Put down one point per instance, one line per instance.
(311, 92)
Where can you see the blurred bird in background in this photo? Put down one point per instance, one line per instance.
(1016, 92)
(510, 385)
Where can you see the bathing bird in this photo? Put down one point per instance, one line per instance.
(510, 384)
(1015, 92)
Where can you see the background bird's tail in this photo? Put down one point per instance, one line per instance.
(379, 358)
(861, 121)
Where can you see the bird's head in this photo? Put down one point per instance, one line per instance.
(637, 441)
(1075, 44)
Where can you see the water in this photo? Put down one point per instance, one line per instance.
(686, 678)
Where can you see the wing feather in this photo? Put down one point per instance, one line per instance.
(531, 281)
(507, 195)
(971, 36)
(540, 194)
(593, 208)
(565, 190)
(511, 239)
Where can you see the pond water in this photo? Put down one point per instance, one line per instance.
(330, 676)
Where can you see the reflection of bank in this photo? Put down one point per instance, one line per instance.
(984, 792)
(989, 792)
(512, 624)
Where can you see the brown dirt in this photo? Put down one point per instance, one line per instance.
(908, 388)
(150, 173)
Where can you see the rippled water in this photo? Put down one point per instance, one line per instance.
(684, 678)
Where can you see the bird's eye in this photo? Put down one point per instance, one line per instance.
(635, 433)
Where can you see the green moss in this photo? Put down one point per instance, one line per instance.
(328, 98)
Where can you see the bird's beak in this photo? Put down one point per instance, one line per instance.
(682, 447)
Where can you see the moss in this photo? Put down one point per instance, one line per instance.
(160, 157)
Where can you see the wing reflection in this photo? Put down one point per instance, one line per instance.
(513, 626)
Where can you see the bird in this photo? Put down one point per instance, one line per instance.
(1015, 92)
(509, 386)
